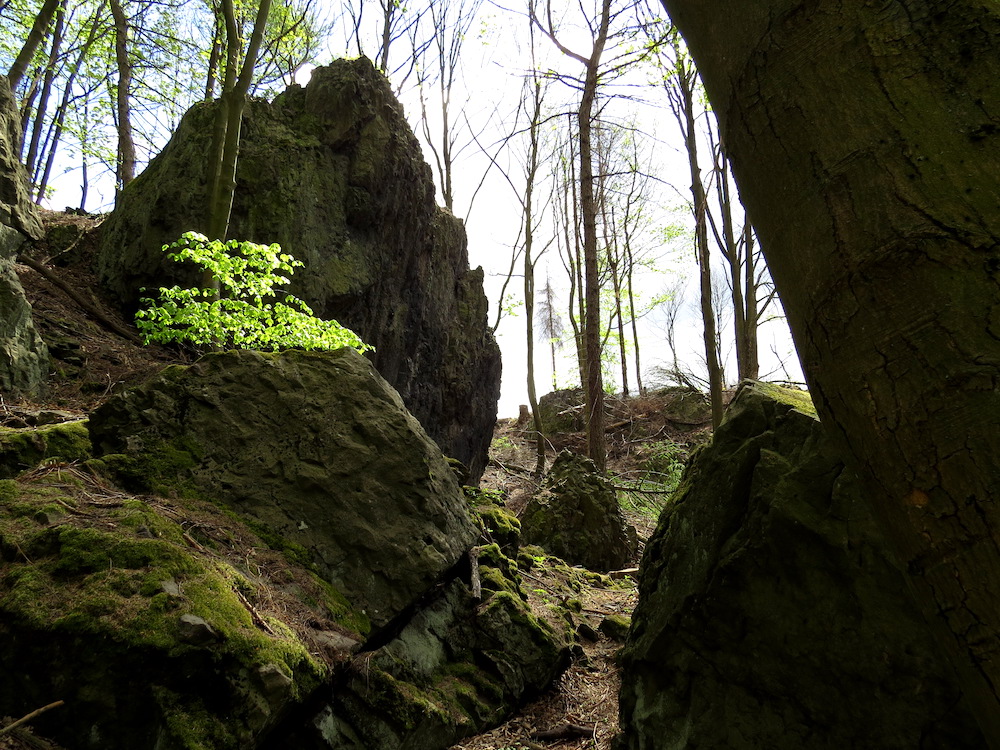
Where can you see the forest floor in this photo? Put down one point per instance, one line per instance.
(96, 352)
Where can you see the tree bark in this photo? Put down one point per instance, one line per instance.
(594, 387)
(126, 145)
(35, 37)
(866, 144)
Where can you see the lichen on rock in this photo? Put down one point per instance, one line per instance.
(315, 447)
(770, 613)
(333, 173)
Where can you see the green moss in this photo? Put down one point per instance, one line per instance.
(616, 627)
(800, 400)
(23, 449)
(501, 526)
(191, 725)
(8, 491)
(87, 580)
(401, 702)
(162, 470)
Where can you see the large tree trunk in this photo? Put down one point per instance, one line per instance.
(866, 142)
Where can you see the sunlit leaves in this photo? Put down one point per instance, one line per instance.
(248, 312)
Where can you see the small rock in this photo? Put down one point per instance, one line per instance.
(197, 631)
(337, 641)
(277, 685)
(171, 588)
(615, 627)
(586, 630)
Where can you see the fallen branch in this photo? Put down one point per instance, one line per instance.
(475, 580)
(640, 491)
(29, 717)
(82, 301)
(254, 614)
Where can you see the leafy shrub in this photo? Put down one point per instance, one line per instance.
(248, 311)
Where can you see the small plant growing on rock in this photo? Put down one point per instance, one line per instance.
(247, 311)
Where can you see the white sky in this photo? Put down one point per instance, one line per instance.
(495, 58)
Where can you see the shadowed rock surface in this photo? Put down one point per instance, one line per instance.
(295, 572)
(23, 357)
(770, 615)
(333, 173)
(576, 517)
(316, 447)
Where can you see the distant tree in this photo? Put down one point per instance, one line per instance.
(451, 22)
(681, 82)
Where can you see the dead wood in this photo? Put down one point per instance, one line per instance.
(82, 301)
(25, 719)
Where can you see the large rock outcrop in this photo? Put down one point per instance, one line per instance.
(770, 615)
(295, 571)
(333, 173)
(23, 357)
(314, 446)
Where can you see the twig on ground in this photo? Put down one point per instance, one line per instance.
(29, 717)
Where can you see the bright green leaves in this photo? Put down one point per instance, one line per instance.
(247, 312)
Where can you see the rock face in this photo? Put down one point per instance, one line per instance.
(576, 517)
(770, 615)
(457, 667)
(23, 358)
(287, 577)
(333, 173)
(314, 446)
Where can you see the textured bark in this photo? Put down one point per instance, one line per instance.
(35, 37)
(865, 141)
(126, 144)
(594, 386)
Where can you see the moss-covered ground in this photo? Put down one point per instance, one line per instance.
(84, 561)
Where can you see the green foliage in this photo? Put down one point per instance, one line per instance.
(662, 467)
(246, 312)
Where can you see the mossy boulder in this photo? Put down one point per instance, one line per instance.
(333, 173)
(312, 447)
(25, 448)
(576, 517)
(458, 667)
(562, 411)
(98, 595)
(770, 613)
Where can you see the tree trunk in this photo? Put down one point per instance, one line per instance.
(38, 126)
(126, 145)
(867, 151)
(35, 37)
(594, 386)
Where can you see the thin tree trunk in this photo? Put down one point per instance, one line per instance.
(35, 37)
(870, 170)
(38, 125)
(529, 269)
(635, 328)
(594, 387)
(126, 145)
(685, 82)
